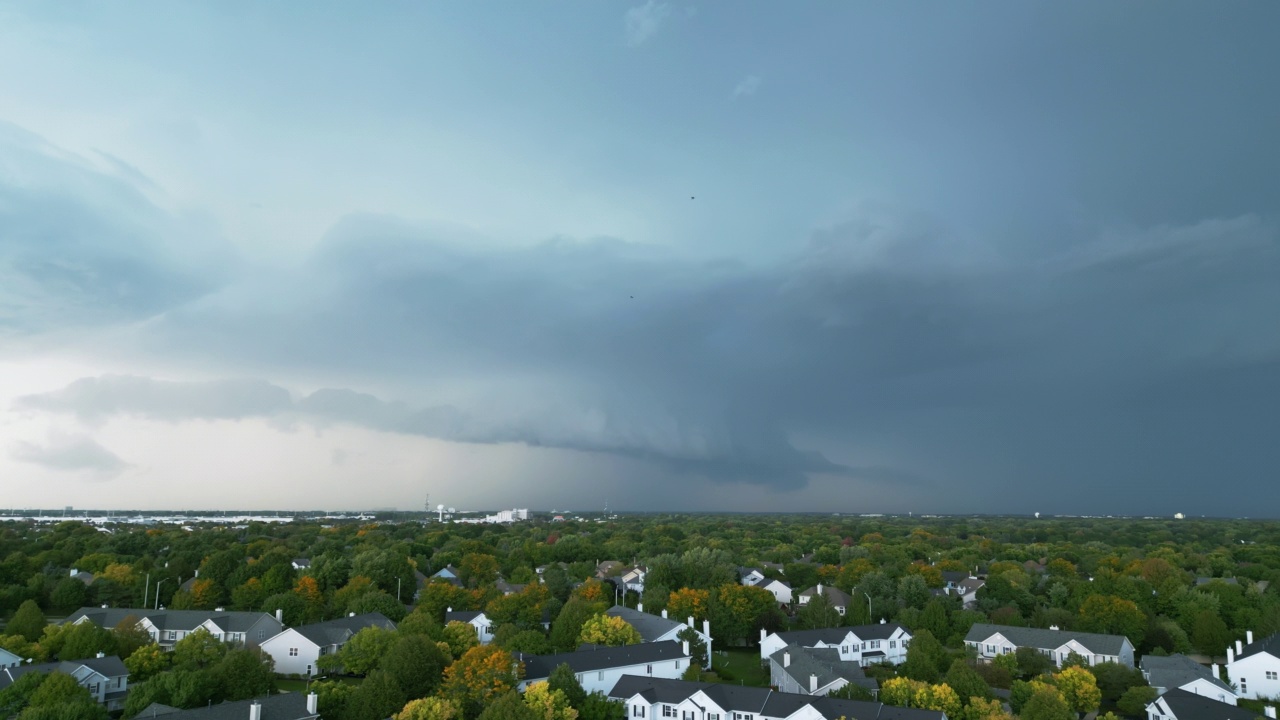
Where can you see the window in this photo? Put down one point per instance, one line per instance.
(677, 664)
(637, 711)
(864, 646)
(648, 669)
(668, 711)
(262, 634)
(293, 652)
(893, 644)
(844, 649)
(93, 689)
(170, 635)
(875, 644)
(742, 716)
(1244, 687)
(1271, 675)
(600, 675)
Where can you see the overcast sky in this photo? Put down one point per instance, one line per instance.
(858, 257)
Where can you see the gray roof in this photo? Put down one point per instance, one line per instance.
(1189, 706)
(1268, 645)
(336, 632)
(105, 666)
(465, 616)
(650, 627)
(1048, 639)
(1174, 671)
(761, 701)
(229, 621)
(285, 706)
(601, 658)
(1207, 580)
(835, 635)
(823, 662)
(835, 596)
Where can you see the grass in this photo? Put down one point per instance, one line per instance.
(740, 666)
(288, 685)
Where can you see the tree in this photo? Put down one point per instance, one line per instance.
(60, 697)
(1209, 634)
(294, 609)
(146, 662)
(697, 646)
(1047, 704)
(1135, 700)
(900, 691)
(378, 602)
(564, 680)
(376, 698)
(416, 663)
(429, 708)
(420, 622)
(308, 590)
(460, 637)
(567, 627)
(1114, 615)
(1031, 662)
(198, 650)
(609, 630)
(548, 704)
(531, 642)
(28, 621)
(688, 603)
(913, 591)
(129, 636)
(69, 594)
(333, 698)
(980, 709)
(508, 706)
(84, 640)
(938, 697)
(1114, 679)
(935, 620)
(483, 674)
(851, 692)
(817, 614)
(477, 569)
(365, 650)
(244, 674)
(923, 658)
(599, 707)
(966, 681)
(1079, 688)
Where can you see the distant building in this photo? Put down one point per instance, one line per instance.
(297, 649)
(654, 698)
(994, 640)
(1176, 672)
(167, 627)
(1254, 667)
(106, 678)
(1178, 704)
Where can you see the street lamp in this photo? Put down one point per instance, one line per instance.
(869, 618)
(158, 584)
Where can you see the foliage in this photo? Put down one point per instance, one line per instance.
(1079, 688)
(609, 630)
(548, 703)
(851, 692)
(416, 663)
(146, 662)
(1046, 704)
(564, 680)
(460, 637)
(508, 706)
(1135, 700)
(480, 675)
(429, 708)
(198, 650)
(362, 653)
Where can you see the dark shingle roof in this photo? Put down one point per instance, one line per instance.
(835, 596)
(286, 706)
(650, 627)
(465, 616)
(1268, 645)
(106, 666)
(336, 632)
(1048, 639)
(825, 663)
(1189, 706)
(1174, 671)
(229, 621)
(761, 701)
(540, 666)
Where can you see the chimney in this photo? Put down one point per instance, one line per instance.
(1248, 637)
(1239, 648)
(664, 613)
(1053, 627)
(706, 628)
(197, 572)
(313, 704)
(1214, 670)
(819, 589)
(690, 621)
(280, 615)
(639, 607)
(685, 645)
(100, 655)
(255, 711)
(351, 614)
(74, 572)
(813, 684)
(1231, 656)
(764, 634)
(786, 659)
(1269, 711)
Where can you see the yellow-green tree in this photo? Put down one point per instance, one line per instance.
(1079, 688)
(900, 691)
(983, 709)
(430, 708)
(547, 703)
(938, 697)
(482, 674)
(610, 631)
(687, 602)
(460, 637)
(146, 662)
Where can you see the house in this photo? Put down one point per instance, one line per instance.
(106, 678)
(285, 706)
(296, 649)
(653, 628)
(449, 574)
(655, 698)
(1178, 704)
(608, 569)
(8, 659)
(599, 668)
(1254, 667)
(419, 582)
(863, 645)
(962, 584)
(836, 597)
(993, 640)
(780, 590)
(507, 588)
(750, 576)
(301, 563)
(85, 577)
(167, 627)
(815, 671)
(475, 618)
(1179, 672)
(633, 578)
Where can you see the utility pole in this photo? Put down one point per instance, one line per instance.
(145, 587)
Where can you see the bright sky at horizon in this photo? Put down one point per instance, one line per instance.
(864, 257)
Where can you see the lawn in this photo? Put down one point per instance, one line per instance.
(740, 666)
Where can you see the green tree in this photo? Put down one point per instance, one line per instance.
(599, 707)
(1032, 662)
(1079, 688)
(548, 703)
(508, 706)
(1114, 679)
(609, 630)
(564, 680)
(28, 621)
(817, 614)
(429, 708)
(567, 627)
(416, 663)
(1135, 700)
(913, 591)
(362, 653)
(69, 594)
(1047, 704)
(967, 682)
(146, 662)
(851, 692)
(1209, 634)
(84, 641)
(935, 619)
(923, 658)
(460, 637)
(242, 674)
(198, 650)
(376, 698)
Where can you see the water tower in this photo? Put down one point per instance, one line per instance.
(441, 509)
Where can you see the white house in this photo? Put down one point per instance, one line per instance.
(1254, 667)
(167, 627)
(750, 576)
(1178, 704)
(475, 618)
(836, 597)
(106, 678)
(1179, 672)
(633, 578)
(296, 649)
(656, 698)
(780, 590)
(600, 668)
(301, 563)
(815, 671)
(8, 659)
(991, 641)
(653, 628)
(864, 644)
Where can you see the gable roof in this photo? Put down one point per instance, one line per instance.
(650, 627)
(1174, 671)
(760, 701)
(823, 662)
(285, 706)
(106, 666)
(835, 596)
(836, 635)
(601, 658)
(229, 621)
(1268, 645)
(465, 616)
(336, 632)
(1048, 639)
(1189, 706)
